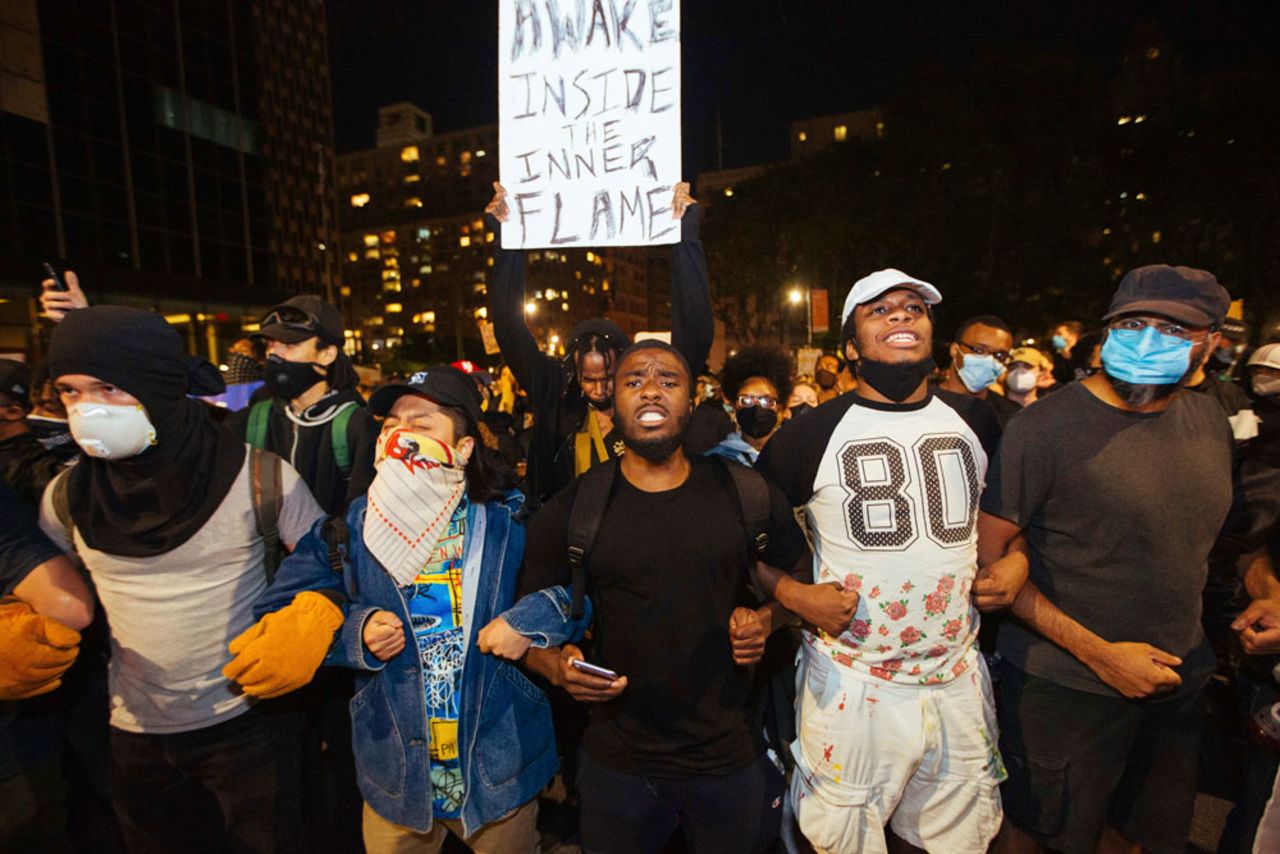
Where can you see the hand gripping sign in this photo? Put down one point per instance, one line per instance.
(589, 121)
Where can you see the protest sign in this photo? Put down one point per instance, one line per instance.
(589, 121)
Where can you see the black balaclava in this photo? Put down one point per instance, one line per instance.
(149, 504)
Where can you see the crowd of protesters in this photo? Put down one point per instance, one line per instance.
(871, 605)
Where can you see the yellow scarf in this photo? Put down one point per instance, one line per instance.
(582, 443)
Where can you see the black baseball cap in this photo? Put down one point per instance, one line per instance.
(1184, 294)
(442, 384)
(15, 381)
(302, 317)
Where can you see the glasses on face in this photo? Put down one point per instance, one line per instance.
(1164, 327)
(764, 401)
(1001, 356)
(291, 318)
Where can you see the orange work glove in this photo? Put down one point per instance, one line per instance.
(34, 651)
(282, 651)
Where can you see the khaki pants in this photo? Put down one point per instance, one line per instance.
(516, 833)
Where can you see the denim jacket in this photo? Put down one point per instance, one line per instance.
(505, 735)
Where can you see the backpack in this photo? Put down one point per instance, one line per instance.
(596, 485)
(260, 419)
(267, 496)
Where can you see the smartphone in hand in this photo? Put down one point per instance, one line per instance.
(59, 284)
(593, 669)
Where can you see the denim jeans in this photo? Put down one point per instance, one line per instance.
(624, 813)
(231, 787)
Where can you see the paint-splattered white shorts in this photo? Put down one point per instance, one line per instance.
(923, 760)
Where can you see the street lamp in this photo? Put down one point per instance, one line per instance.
(797, 296)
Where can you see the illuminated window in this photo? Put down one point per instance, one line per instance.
(564, 306)
(359, 200)
(425, 268)
(841, 133)
(371, 240)
(388, 237)
(345, 291)
(482, 312)
(477, 225)
(464, 241)
(591, 256)
(413, 202)
(531, 308)
(394, 308)
(1137, 120)
(488, 237)
(480, 152)
(412, 178)
(1155, 236)
(409, 154)
(1124, 120)
(441, 160)
(428, 317)
(879, 128)
(424, 234)
(372, 253)
(373, 321)
(728, 192)
(353, 256)
(464, 156)
(1153, 53)
(802, 136)
(1142, 197)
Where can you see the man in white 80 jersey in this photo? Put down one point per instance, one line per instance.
(895, 714)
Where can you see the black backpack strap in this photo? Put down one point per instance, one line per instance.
(336, 535)
(753, 500)
(268, 500)
(584, 523)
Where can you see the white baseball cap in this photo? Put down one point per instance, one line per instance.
(1268, 355)
(870, 287)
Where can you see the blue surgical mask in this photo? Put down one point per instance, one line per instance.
(1146, 356)
(978, 372)
(1059, 343)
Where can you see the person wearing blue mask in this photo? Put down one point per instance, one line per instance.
(1063, 339)
(979, 355)
(1111, 492)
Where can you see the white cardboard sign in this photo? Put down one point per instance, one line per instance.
(589, 121)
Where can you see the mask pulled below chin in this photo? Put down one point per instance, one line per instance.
(895, 381)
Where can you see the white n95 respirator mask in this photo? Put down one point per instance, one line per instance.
(111, 431)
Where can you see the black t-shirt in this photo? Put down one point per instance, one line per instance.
(1003, 407)
(22, 546)
(1120, 511)
(665, 573)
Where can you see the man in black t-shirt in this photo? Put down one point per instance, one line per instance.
(671, 741)
(1112, 491)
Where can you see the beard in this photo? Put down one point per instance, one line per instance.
(656, 449)
(1138, 395)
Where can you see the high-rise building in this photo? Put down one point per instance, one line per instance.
(177, 155)
(416, 252)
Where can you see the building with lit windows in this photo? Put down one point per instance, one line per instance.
(416, 253)
(177, 155)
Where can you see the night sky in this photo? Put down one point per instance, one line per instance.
(762, 64)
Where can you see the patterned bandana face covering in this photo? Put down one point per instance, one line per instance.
(419, 483)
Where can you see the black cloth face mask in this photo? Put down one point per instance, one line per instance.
(895, 381)
(826, 379)
(800, 409)
(756, 421)
(288, 380)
